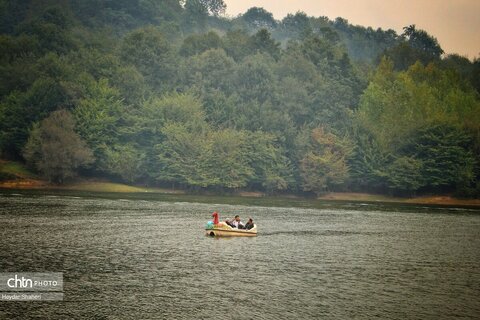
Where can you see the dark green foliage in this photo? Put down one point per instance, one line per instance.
(6, 176)
(12, 13)
(148, 50)
(414, 45)
(369, 163)
(198, 43)
(295, 25)
(125, 161)
(238, 44)
(404, 175)
(209, 72)
(213, 7)
(51, 30)
(422, 41)
(174, 93)
(475, 74)
(262, 42)
(259, 18)
(19, 109)
(98, 117)
(197, 13)
(254, 78)
(445, 154)
(404, 55)
(126, 14)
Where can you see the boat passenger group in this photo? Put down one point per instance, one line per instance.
(235, 222)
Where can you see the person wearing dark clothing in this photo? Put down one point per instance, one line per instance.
(249, 224)
(229, 222)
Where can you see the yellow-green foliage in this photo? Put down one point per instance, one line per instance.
(396, 104)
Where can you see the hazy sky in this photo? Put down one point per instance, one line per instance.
(455, 23)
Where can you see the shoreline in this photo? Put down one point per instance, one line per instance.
(95, 186)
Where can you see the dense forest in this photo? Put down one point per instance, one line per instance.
(174, 93)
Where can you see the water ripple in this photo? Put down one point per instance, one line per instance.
(151, 260)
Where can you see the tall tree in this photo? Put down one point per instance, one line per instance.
(198, 11)
(259, 18)
(421, 40)
(150, 52)
(446, 154)
(55, 149)
(198, 43)
(325, 165)
(262, 42)
(98, 117)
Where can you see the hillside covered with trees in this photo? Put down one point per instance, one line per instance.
(173, 93)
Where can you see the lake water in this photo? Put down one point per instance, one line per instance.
(141, 258)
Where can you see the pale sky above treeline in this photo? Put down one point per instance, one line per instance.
(455, 23)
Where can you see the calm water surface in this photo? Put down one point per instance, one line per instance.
(148, 259)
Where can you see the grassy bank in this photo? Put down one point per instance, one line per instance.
(10, 170)
(19, 177)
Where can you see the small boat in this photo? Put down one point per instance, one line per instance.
(224, 230)
(216, 228)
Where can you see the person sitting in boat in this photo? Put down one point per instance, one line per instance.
(230, 222)
(215, 217)
(249, 224)
(236, 223)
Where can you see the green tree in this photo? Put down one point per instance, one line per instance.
(295, 100)
(150, 52)
(254, 79)
(53, 89)
(262, 42)
(296, 25)
(55, 149)
(213, 7)
(259, 18)
(198, 11)
(446, 154)
(272, 169)
(404, 175)
(421, 40)
(325, 165)
(237, 44)
(220, 109)
(414, 45)
(198, 43)
(147, 128)
(396, 104)
(51, 29)
(369, 163)
(125, 161)
(98, 117)
(180, 156)
(227, 164)
(210, 71)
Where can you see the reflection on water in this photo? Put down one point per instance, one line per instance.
(144, 259)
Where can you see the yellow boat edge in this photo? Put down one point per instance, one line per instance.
(227, 231)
